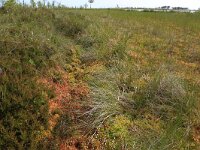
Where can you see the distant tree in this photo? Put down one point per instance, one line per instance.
(53, 4)
(39, 4)
(33, 4)
(44, 3)
(59, 5)
(86, 6)
(91, 1)
(48, 4)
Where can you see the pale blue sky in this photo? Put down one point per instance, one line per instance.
(192, 4)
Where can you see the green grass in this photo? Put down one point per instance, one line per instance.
(142, 70)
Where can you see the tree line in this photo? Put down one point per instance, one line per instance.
(38, 4)
(33, 4)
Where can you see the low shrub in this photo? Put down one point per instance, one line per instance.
(29, 47)
(71, 24)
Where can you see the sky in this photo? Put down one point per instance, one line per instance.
(192, 4)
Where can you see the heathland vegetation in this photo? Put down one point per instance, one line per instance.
(98, 79)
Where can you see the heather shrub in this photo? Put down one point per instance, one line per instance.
(71, 25)
(28, 49)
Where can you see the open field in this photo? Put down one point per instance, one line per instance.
(99, 79)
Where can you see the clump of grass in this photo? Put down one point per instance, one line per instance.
(63, 127)
(194, 56)
(86, 41)
(166, 93)
(104, 95)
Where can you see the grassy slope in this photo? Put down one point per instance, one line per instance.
(142, 69)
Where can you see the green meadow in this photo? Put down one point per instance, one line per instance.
(98, 79)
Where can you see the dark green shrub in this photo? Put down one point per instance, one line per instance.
(27, 51)
(24, 112)
(23, 105)
(86, 41)
(71, 25)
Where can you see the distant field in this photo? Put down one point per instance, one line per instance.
(99, 79)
